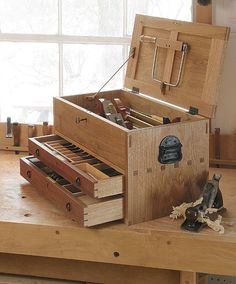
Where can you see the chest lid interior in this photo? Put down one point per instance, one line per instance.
(177, 62)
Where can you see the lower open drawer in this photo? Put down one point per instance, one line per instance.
(81, 169)
(76, 205)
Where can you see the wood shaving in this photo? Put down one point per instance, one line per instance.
(214, 225)
(179, 211)
(211, 210)
(198, 201)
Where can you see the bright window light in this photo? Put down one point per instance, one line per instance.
(64, 47)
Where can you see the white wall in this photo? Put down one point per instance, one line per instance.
(225, 15)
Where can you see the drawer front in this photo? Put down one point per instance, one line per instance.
(76, 205)
(76, 166)
(95, 134)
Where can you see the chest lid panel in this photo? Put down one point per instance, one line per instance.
(177, 62)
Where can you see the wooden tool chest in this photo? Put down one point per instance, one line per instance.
(155, 166)
(78, 206)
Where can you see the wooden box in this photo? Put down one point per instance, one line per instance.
(76, 205)
(84, 171)
(161, 166)
(152, 187)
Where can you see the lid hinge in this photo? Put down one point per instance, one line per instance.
(193, 110)
(135, 90)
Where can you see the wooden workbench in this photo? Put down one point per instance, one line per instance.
(36, 239)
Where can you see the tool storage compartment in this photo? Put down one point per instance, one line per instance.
(84, 171)
(75, 204)
(164, 158)
(151, 187)
(167, 164)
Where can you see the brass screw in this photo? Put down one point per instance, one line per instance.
(78, 181)
(29, 174)
(37, 152)
(68, 206)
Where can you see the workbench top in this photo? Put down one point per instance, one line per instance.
(30, 225)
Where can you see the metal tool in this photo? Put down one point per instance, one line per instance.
(155, 40)
(46, 128)
(31, 130)
(16, 133)
(111, 112)
(211, 198)
(9, 128)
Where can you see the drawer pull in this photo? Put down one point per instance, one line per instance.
(78, 181)
(37, 152)
(78, 120)
(68, 206)
(29, 174)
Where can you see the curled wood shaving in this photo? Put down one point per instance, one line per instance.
(210, 210)
(198, 201)
(179, 211)
(214, 225)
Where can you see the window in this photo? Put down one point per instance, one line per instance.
(65, 47)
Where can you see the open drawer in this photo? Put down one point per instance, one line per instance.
(76, 205)
(81, 169)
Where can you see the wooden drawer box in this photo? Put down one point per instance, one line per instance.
(172, 61)
(76, 205)
(78, 167)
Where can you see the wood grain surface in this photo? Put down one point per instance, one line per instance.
(96, 135)
(202, 67)
(31, 226)
(26, 131)
(82, 270)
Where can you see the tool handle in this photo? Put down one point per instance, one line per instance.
(16, 133)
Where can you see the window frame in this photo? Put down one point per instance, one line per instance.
(60, 39)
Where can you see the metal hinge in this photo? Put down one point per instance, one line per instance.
(135, 90)
(193, 110)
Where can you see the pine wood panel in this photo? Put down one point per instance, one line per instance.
(93, 135)
(17, 279)
(198, 83)
(215, 65)
(85, 271)
(226, 148)
(157, 187)
(146, 247)
(204, 30)
(169, 60)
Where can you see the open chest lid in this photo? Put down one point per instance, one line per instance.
(177, 62)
